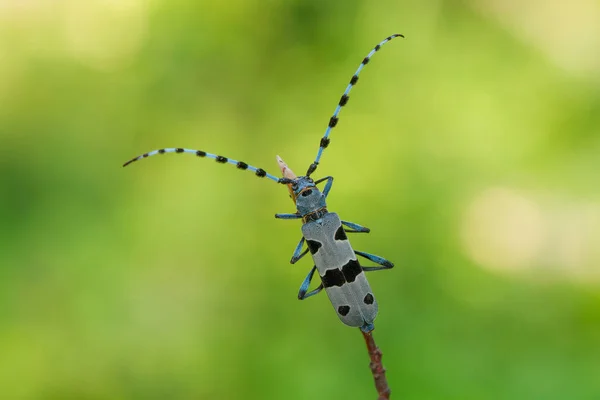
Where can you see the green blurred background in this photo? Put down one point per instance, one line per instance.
(470, 148)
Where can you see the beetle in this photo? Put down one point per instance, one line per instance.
(324, 233)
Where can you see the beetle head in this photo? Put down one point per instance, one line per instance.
(303, 191)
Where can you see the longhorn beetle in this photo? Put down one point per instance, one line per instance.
(324, 232)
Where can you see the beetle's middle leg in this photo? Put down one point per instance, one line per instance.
(304, 287)
(298, 253)
(355, 228)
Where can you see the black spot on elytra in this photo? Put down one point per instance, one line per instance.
(201, 153)
(324, 142)
(369, 299)
(351, 270)
(242, 165)
(306, 193)
(344, 310)
(344, 100)
(261, 173)
(221, 159)
(313, 246)
(333, 277)
(340, 234)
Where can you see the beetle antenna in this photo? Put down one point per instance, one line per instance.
(343, 101)
(220, 159)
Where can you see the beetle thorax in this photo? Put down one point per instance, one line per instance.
(309, 199)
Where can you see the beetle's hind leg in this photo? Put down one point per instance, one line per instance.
(304, 287)
(355, 228)
(385, 264)
(366, 328)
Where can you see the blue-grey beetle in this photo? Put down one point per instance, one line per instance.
(324, 232)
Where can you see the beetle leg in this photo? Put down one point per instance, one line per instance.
(288, 216)
(327, 188)
(385, 264)
(298, 254)
(304, 287)
(366, 328)
(355, 228)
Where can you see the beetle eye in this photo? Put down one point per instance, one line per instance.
(307, 192)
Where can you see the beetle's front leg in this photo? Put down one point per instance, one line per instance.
(288, 216)
(327, 188)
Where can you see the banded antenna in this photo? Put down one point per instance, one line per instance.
(343, 101)
(261, 173)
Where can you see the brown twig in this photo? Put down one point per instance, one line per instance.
(383, 390)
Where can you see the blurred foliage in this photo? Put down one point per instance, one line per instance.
(470, 149)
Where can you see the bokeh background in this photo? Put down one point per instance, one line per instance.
(470, 148)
